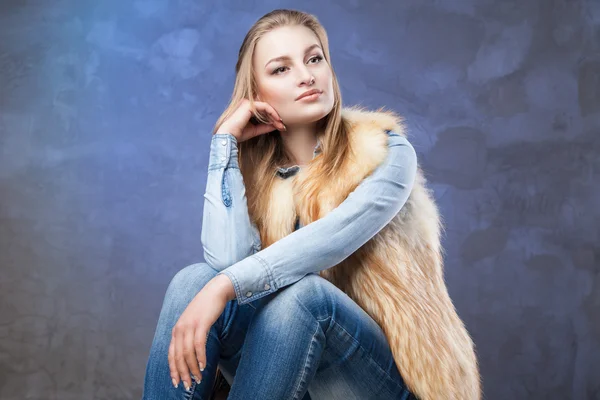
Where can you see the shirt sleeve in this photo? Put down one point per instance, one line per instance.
(227, 234)
(329, 240)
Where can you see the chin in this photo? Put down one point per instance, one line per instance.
(308, 115)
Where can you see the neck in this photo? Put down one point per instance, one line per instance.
(300, 142)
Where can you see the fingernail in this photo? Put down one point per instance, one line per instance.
(195, 378)
(201, 367)
(186, 385)
(174, 382)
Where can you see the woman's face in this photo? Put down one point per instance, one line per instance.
(281, 81)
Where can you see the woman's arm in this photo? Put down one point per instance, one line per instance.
(329, 240)
(228, 235)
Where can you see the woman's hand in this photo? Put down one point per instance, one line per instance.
(239, 125)
(187, 351)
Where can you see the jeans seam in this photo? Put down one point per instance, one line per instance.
(226, 327)
(369, 357)
(306, 362)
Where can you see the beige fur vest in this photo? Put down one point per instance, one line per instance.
(397, 276)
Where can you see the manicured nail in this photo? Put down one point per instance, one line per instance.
(201, 367)
(186, 385)
(174, 382)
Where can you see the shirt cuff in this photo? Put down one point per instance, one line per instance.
(251, 278)
(223, 151)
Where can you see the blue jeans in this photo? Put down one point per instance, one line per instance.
(307, 337)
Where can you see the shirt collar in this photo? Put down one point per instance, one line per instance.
(286, 172)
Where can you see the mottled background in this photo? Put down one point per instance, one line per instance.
(106, 111)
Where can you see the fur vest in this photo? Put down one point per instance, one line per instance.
(397, 276)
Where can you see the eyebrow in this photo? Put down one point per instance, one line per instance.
(281, 58)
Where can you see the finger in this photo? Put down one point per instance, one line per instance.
(200, 339)
(262, 129)
(266, 107)
(180, 359)
(172, 366)
(189, 355)
(265, 111)
(193, 361)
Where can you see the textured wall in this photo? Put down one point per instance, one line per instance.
(105, 116)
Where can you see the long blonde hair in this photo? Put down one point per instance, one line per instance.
(260, 156)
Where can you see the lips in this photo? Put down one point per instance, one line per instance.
(308, 93)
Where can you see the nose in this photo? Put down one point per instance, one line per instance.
(306, 77)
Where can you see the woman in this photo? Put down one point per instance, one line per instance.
(307, 290)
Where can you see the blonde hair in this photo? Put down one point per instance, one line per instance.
(260, 156)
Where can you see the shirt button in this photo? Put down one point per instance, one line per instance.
(223, 158)
(223, 142)
(248, 294)
(267, 286)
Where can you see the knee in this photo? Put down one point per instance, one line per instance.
(312, 293)
(188, 282)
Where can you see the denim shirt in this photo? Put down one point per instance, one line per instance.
(231, 241)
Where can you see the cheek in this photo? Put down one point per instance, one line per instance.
(274, 94)
(326, 78)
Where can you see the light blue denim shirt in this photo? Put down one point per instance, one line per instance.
(231, 241)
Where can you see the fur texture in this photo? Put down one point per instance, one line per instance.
(397, 276)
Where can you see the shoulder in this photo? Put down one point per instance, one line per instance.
(362, 119)
(366, 127)
(396, 138)
(400, 151)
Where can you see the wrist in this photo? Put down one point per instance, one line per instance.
(225, 131)
(224, 286)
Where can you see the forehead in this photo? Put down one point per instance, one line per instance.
(283, 41)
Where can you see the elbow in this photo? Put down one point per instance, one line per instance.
(215, 260)
(409, 157)
(217, 263)
(409, 164)
(401, 179)
(222, 257)
(413, 169)
(214, 251)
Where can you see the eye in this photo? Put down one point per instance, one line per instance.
(316, 58)
(282, 69)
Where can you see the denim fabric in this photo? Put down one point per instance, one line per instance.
(231, 241)
(289, 334)
(227, 233)
(308, 341)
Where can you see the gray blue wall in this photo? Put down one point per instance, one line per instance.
(106, 109)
